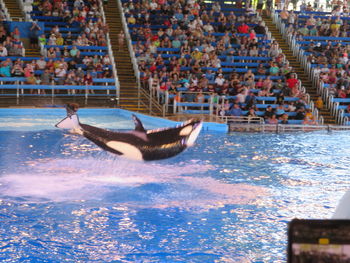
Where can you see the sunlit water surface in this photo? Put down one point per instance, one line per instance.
(227, 199)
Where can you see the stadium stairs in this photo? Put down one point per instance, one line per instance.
(306, 82)
(30, 52)
(128, 84)
(14, 10)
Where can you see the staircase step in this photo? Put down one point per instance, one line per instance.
(14, 9)
(128, 85)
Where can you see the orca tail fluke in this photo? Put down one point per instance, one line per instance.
(71, 122)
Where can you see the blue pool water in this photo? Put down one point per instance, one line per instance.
(227, 199)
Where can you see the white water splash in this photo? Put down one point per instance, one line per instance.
(90, 179)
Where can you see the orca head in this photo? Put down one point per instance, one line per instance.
(191, 130)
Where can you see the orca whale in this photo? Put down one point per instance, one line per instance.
(139, 144)
(342, 210)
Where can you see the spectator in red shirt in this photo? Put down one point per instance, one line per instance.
(244, 28)
(292, 81)
(153, 67)
(162, 89)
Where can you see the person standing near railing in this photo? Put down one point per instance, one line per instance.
(268, 6)
(32, 80)
(259, 6)
(34, 34)
(200, 97)
(284, 15)
(88, 81)
(121, 39)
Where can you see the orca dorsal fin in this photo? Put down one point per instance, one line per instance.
(138, 124)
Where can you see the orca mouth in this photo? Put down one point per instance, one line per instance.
(196, 124)
(196, 128)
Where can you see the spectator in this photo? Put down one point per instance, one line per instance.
(300, 114)
(51, 53)
(235, 111)
(219, 81)
(319, 103)
(243, 28)
(121, 37)
(3, 51)
(272, 119)
(17, 70)
(46, 78)
(34, 34)
(60, 74)
(88, 81)
(284, 119)
(250, 100)
(268, 112)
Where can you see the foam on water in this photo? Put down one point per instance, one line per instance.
(88, 179)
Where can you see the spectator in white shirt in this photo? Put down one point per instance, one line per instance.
(3, 51)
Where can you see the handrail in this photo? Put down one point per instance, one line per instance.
(335, 110)
(130, 47)
(241, 119)
(177, 107)
(50, 89)
(341, 116)
(240, 126)
(151, 103)
(110, 54)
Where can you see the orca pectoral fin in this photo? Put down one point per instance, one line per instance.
(138, 124)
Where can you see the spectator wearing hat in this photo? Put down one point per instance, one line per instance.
(318, 47)
(219, 83)
(196, 54)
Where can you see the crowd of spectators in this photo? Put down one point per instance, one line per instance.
(281, 113)
(186, 32)
(330, 57)
(62, 64)
(315, 25)
(10, 42)
(84, 15)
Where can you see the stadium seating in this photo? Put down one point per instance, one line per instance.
(316, 53)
